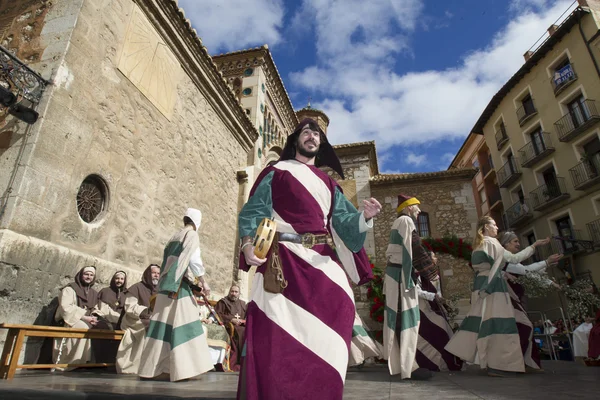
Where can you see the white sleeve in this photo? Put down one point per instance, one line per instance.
(363, 224)
(523, 269)
(196, 265)
(520, 256)
(425, 295)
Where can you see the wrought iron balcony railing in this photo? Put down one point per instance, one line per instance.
(501, 137)
(19, 78)
(549, 193)
(525, 112)
(518, 213)
(534, 151)
(577, 120)
(586, 173)
(563, 78)
(594, 231)
(508, 173)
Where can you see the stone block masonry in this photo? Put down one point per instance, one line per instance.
(95, 121)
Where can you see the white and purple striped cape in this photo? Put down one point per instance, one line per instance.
(297, 342)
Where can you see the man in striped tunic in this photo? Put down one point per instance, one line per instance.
(298, 339)
(406, 257)
(176, 348)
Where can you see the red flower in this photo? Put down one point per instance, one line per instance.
(379, 318)
(460, 241)
(451, 244)
(377, 300)
(372, 266)
(469, 248)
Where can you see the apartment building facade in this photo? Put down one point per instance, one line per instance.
(542, 131)
(474, 153)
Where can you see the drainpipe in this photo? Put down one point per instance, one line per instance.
(587, 44)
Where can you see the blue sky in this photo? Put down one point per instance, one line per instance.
(413, 75)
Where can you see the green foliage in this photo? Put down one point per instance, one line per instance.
(582, 299)
(450, 244)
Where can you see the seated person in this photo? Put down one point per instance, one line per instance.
(135, 320)
(114, 295)
(78, 307)
(216, 336)
(232, 312)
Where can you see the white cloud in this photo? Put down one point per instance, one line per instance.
(356, 29)
(226, 25)
(416, 160)
(366, 100)
(447, 157)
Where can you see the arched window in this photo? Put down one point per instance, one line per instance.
(423, 225)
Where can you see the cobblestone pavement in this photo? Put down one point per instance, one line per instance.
(561, 380)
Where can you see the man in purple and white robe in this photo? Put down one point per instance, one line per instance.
(298, 341)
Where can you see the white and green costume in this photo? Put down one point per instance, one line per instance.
(176, 342)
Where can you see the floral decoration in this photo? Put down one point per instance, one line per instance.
(582, 299)
(536, 284)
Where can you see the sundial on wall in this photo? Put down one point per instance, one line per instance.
(149, 63)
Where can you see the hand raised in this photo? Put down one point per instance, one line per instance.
(371, 208)
(553, 259)
(541, 242)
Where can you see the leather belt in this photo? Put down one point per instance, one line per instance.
(308, 240)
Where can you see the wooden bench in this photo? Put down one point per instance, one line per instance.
(16, 336)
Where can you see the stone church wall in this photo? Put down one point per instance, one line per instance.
(94, 120)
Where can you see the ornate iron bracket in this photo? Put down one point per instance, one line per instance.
(585, 244)
(14, 74)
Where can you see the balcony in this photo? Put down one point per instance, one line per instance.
(508, 173)
(526, 112)
(574, 243)
(495, 199)
(501, 137)
(577, 121)
(534, 151)
(563, 78)
(486, 168)
(518, 214)
(586, 173)
(594, 230)
(548, 194)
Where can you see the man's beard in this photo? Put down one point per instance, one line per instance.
(233, 298)
(307, 153)
(154, 282)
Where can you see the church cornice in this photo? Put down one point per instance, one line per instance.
(276, 88)
(169, 20)
(459, 173)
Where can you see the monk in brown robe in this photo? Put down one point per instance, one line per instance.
(232, 311)
(136, 319)
(79, 308)
(114, 295)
